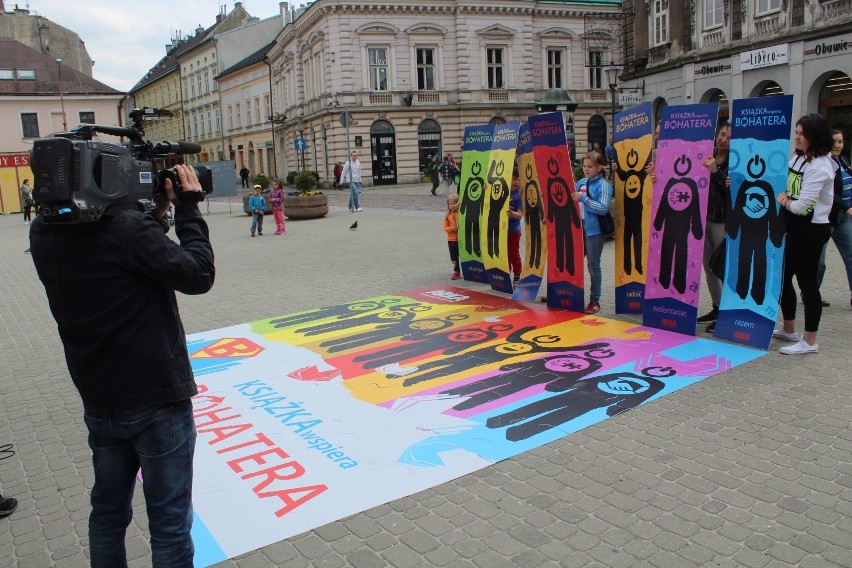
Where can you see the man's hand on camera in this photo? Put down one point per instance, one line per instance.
(188, 181)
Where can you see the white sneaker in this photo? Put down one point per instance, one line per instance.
(800, 348)
(779, 333)
(358, 210)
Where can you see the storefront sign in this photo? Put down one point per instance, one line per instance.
(625, 99)
(14, 160)
(712, 68)
(765, 57)
(828, 46)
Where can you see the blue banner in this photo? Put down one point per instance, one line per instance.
(760, 143)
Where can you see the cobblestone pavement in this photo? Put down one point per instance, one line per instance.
(751, 467)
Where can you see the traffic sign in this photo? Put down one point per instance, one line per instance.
(345, 118)
(300, 144)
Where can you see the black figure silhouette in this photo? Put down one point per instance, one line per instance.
(339, 311)
(534, 216)
(399, 313)
(634, 184)
(562, 212)
(755, 219)
(616, 392)
(512, 346)
(385, 331)
(679, 213)
(497, 199)
(418, 343)
(559, 372)
(472, 199)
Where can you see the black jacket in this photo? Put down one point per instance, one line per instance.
(719, 195)
(111, 288)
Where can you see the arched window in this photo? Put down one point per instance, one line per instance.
(497, 120)
(718, 96)
(770, 89)
(596, 133)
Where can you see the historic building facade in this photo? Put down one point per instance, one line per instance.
(718, 50)
(412, 75)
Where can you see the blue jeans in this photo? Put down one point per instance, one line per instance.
(594, 248)
(160, 439)
(842, 237)
(256, 222)
(354, 192)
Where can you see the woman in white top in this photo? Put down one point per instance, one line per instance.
(806, 204)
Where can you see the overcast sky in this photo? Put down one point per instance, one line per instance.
(126, 38)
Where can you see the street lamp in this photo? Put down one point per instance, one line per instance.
(612, 79)
(62, 97)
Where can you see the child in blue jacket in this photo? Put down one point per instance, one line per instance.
(595, 193)
(257, 205)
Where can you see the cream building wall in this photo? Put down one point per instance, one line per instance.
(321, 66)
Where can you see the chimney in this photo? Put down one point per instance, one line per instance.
(199, 30)
(284, 7)
(238, 5)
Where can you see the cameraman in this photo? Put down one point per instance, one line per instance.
(111, 286)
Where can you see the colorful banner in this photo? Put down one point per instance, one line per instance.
(564, 225)
(634, 144)
(679, 210)
(760, 142)
(475, 152)
(306, 419)
(498, 184)
(535, 253)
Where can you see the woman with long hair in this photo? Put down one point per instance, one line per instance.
(807, 204)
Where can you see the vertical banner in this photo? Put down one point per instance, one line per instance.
(634, 144)
(475, 152)
(498, 184)
(679, 208)
(564, 226)
(535, 253)
(760, 141)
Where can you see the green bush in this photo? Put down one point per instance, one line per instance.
(291, 177)
(261, 180)
(305, 181)
(578, 173)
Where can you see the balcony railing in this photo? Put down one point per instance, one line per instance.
(767, 25)
(381, 98)
(498, 95)
(832, 9)
(713, 38)
(428, 97)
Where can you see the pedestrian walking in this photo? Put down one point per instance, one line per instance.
(351, 175)
(244, 176)
(431, 172)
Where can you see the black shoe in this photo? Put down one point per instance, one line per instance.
(709, 316)
(433, 192)
(825, 304)
(7, 506)
(710, 328)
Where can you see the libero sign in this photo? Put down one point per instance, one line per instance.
(764, 57)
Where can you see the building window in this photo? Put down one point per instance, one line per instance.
(661, 22)
(195, 126)
(29, 124)
(257, 110)
(714, 14)
(766, 6)
(209, 122)
(230, 118)
(185, 89)
(494, 64)
(25, 74)
(218, 126)
(426, 69)
(87, 117)
(595, 66)
(378, 64)
(555, 68)
(239, 117)
(206, 81)
(198, 80)
(266, 104)
(7, 74)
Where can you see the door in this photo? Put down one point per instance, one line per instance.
(383, 146)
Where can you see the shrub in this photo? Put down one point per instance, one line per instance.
(261, 180)
(291, 177)
(305, 181)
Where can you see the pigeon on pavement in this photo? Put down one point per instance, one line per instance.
(353, 226)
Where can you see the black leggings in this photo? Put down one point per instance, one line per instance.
(27, 211)
(801, 259)
(454, 254)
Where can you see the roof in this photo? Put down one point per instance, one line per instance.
(15, 55)
(255, 57)
(170, 62)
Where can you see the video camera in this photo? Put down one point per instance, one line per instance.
(78, 179)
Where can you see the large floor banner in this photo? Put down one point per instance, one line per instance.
(475, 152)
(634, 144)
(760, 141)
(535, 253)
(312, 417)
(679, 208)
(564, 225)
(498, 184)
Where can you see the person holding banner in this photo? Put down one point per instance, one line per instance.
(841, 221)
(807, 204)
(451, 227)
(515, 214)
(717, 205)
(595, 193)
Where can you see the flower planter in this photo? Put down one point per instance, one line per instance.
(305, 206)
